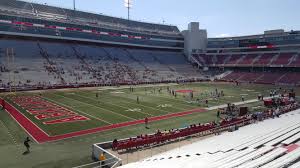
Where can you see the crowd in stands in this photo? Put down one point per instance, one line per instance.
(229, 124)
(46, 65)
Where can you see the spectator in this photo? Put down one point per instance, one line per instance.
(102, 158)
(146, 123)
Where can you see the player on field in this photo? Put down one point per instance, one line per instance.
(146, 123)
(26, 144)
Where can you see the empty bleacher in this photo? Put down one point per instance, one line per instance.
(39, 10)
(296, 61)
(261, 59)
(283, 59)
(265, 59)
(253, 146)
(53, 63)
(248, 60)
(290, 78)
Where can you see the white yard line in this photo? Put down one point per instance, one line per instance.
(96, 107)
(11, 137)
(77, 110)
(170, 100)
(236, 103)
(28, 120)
(127, 102)
(113, 104)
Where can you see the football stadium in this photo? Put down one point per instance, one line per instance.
(86, 90)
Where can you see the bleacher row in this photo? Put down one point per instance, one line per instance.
(273, 59)
(289, 78)
(171, 135)
(273, 143)
(44, 64)
(159, 137)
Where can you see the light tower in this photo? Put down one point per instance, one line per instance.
(74, 5)
(128, 5)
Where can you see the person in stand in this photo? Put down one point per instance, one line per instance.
(146, 123)
(26, 144)
(206, 102)
(243, 99)
(218, 113)
(102, 158)
(115, 144)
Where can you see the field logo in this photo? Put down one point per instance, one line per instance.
(117, 92)
(45, 110)
(192, 102)
(164, 105)
(134, 110)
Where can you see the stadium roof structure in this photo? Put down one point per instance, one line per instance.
(271, 143)
(59, 13)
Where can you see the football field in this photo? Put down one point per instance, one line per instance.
(76, 118)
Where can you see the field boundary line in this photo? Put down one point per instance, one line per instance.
(121, 125)
(11, 137)
(27, 120)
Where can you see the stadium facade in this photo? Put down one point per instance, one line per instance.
(45, 47)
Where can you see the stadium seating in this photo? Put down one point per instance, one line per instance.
(164, 136)
(249, 77)
(233, 76)
(74, 64)
(221, 59)
(112, 22)
(248, 59)
(233, 60)
(265, 77)
(160, 137)
(269, 78)
(296, 61)
(290, 78)
(265, 59)
(16, 4)
(252, 146)
(283, 59)
(276, 59)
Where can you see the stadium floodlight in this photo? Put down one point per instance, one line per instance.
(128, 5)
(74, 5)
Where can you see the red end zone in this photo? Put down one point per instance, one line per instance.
(41, 136)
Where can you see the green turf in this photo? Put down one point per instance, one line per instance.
(112, 109)
(113, 106)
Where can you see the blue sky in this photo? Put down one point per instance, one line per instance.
(219, 17)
